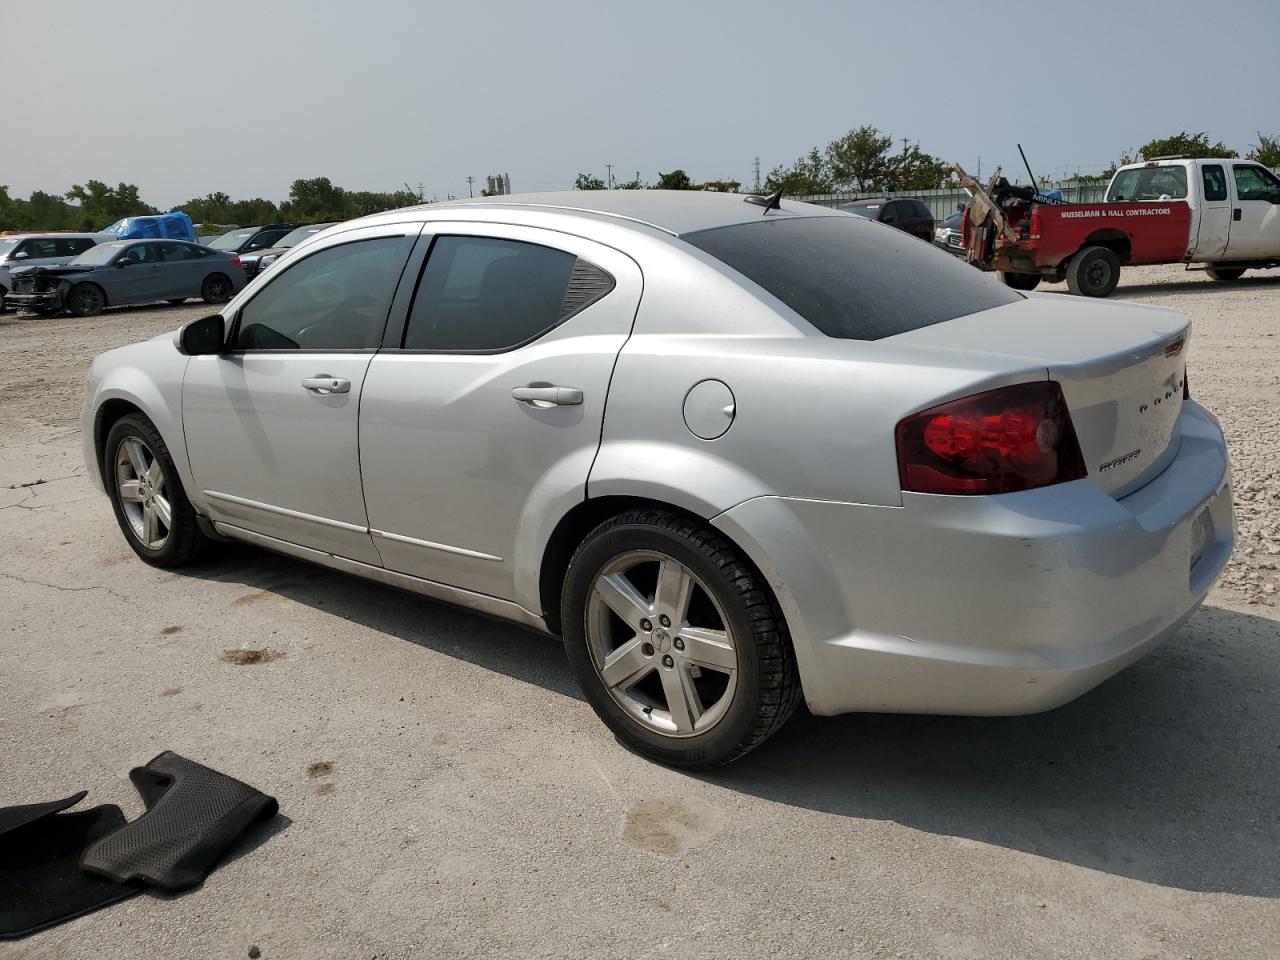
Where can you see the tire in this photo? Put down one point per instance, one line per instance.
(216, 288)
(3, 294)
(1093, 272)
(1225, 274)
(729, 645)
(133, 443)
(1020, 281)
(85, 300)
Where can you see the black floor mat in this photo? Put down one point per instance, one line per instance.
(41, 882)
(193, 816)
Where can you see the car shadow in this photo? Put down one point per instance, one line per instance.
(1262, 281)
(1168, 773)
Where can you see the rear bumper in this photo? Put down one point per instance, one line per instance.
(990, 605)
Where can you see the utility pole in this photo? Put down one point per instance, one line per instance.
(757, 167)
(905, 140)
(470, 181)
(608, 180)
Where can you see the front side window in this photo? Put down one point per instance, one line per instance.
(486, 295)
(1255, 183)
(1215, 182)
(142, 253)
(848, 279)
(336, 299)
(1149, 183)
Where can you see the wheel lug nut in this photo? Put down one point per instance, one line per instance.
(646, 625)
(678, 644)
(665, 620)
(667, 661)
(647, 648)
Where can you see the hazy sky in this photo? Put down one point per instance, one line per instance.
(184, 97)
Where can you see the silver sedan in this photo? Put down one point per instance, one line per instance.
(735, 451)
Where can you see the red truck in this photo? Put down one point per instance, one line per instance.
(1224, 213)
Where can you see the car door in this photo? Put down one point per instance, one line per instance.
(271, 424)
(183, 270)
(1255, 227)
(1215, 213)
(482, 419)
(134, 276)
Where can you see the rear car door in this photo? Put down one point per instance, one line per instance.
(180, 271)
(1215, 213)
(481, 418)
(1255, 227)
(271, 424)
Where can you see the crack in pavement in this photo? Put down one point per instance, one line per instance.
(63, 587)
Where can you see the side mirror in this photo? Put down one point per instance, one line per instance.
(122, 263)
(203, 337)
(21, 255)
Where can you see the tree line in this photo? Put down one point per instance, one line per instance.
(94, 205)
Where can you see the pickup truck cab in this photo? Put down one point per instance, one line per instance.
(1224, 213)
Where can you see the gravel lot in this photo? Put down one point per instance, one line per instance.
(446, 793)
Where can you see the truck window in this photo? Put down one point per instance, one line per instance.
(1255, 183)
(1215, 182)
(1149, 183)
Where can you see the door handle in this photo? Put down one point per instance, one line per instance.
(325, 384)
(545, 395)
(1236, 215)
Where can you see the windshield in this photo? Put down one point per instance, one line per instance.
(1149, 183)
(850, 279)
(297, 236)
(233, 240)
(99, 255)
(868, 210)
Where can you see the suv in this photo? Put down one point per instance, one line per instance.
(257, 261)
(40, 249)
(907, 214)
(249, 239)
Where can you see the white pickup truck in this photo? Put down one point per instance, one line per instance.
(1224, 213)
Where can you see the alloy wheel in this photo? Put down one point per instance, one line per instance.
(143, 497)
(661, 643)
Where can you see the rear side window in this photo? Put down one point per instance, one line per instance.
(1149, 183)
(487, 295)
(1215, 183)
(850, 279)
(922, 210)
(336, 299)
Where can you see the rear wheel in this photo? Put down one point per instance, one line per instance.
(1225, 274)
(1020, 281)
(86, 300)
(146, 493)
(675, 641)
(1093, 272)
(215, 289)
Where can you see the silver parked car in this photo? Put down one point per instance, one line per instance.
(734, 451)
(122, 272)
(40, 249)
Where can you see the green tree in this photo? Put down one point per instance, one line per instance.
(1194, 145)
(248, 213)
(721, 186)
(808, 175)
(636, 184)
(1267, 152)
(675, 180)
(586, 181)
(859, 159)
(913, 169)
(101, 205)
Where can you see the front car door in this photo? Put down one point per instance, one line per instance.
(271, 424)
(1255, 228)
(1215, 213)
(134, 276)
(480, 421)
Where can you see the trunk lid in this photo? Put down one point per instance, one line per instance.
(1121, 367)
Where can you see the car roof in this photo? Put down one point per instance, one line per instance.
(677, 212)
(51, 233)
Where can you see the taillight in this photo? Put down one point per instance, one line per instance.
(1013, 438)
(235, 261)
(1033, 232)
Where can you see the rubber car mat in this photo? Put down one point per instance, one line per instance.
(41, 883)
(193, 816)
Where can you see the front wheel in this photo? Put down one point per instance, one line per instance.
(675, 641)
(1225, 274)
(146, 493)
(86, 300)
(1093, 272)
(215, 289)
(1020, 281)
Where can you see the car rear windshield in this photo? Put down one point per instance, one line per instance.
(853, 279)
(1149, 183)
(868, 210)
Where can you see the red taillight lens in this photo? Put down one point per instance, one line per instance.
(1013, 438)
(1033, 232)
(235, 261)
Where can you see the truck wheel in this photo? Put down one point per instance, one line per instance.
(1225, 274)
(1093, 272)
(1020, 281)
